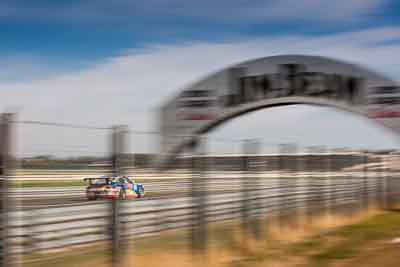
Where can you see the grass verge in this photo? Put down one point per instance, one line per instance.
(340, 242)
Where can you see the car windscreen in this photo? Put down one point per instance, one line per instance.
(98, 181)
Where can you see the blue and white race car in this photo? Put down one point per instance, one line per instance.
(122, 187)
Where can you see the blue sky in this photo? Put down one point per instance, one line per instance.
(62, 60)
(68, 35)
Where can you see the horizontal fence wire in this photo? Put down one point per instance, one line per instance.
(64, 125)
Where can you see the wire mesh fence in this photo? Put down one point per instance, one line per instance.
(46, 212)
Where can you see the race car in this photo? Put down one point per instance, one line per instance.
(122, 187)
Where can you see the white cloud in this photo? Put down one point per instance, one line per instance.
(128, 89)
(24, 68)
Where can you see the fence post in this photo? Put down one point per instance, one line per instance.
(385, 184)
(380, 192)
(328, 170)
(309, 184)
(319, 182)
(355, 183)
(250, 185)
(365, 196)
(360, 181)
(325, 184)
(287, 185)
(300, 205)
(281, 184)
(198, 188)
(245, 191)
(6, 165)
(117, 148)
(295, 181)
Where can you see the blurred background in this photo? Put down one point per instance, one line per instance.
(81, 87)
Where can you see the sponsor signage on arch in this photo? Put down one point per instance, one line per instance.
(292, 80)
(277, 81)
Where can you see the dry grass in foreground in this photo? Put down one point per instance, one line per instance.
(362, 239)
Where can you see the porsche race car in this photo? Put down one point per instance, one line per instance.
(121, 187)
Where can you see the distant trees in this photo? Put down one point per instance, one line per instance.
(51, 162)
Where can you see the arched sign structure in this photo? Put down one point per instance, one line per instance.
(276, 81)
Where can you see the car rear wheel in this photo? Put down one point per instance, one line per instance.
(122, 194)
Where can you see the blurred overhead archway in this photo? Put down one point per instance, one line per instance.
(270, 82)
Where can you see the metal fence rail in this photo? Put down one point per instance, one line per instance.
(44, 229)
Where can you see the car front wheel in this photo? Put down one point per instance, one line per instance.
(91, 196)
(140, 193)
